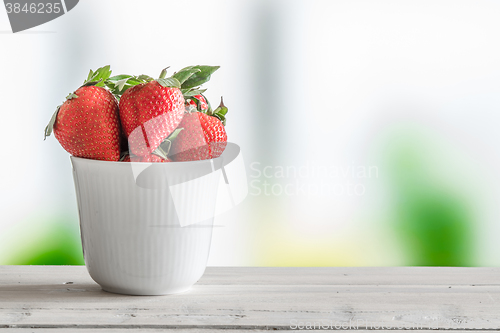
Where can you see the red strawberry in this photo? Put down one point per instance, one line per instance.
(149, 112)
(202, 104)
(87, 124)
(203, 137)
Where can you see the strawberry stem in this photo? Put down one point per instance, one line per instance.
(163, 73)
(123, 155)
(165, 146)
(160, 152)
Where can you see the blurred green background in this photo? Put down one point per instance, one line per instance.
(369, 129)
(43, 240)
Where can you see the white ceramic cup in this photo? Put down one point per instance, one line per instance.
(132, 238)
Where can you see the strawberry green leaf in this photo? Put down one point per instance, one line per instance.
(118, 93)
(183, 75)
(89, 76)
(132, 81)
(98, 77)
(120, 84)
(169, 82)
(221, 111)
(200, 77)
(119, 77)
(194, 92)
(93, 83)
(50, 126)
(221, 118)
(209, 110)
(145, 78)
(71, 96)
(187, 68)
(102, 73)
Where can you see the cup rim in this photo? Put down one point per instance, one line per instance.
(91, 160)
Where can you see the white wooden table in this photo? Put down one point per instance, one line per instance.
(66, 299)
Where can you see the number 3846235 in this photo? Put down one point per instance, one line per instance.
(33, 8)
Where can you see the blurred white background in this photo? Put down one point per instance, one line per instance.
(341, 85)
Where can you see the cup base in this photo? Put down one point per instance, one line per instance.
(143, 292)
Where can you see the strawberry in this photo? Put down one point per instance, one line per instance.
(151, 110)
(87, 124)
(197, 102)
(149, 113)
(203, 137)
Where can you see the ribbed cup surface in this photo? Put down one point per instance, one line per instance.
(132, 238)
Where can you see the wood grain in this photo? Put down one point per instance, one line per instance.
(258, 299)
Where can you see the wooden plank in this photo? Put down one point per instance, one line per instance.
(189, 330)
(259, 298)
(254, 307)
(292, 275)
(353, 275)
